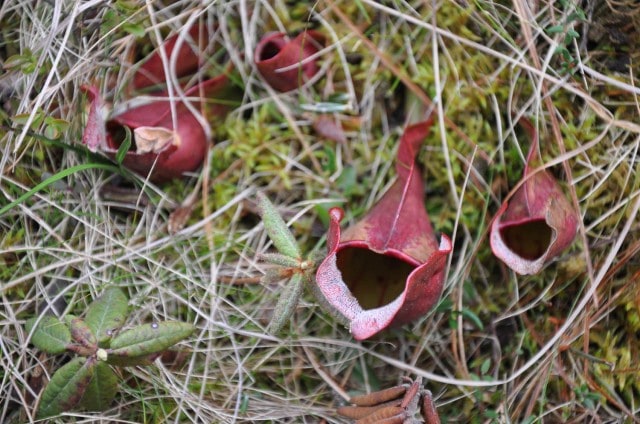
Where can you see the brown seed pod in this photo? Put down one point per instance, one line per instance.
(391, 413)
(428, 409)
(359, 412)
(379, 397)
(397, 405)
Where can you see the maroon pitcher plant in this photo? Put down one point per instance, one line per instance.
(537, 223)
(387, 269)
(168, 131)
(287, 64)
(184, 54)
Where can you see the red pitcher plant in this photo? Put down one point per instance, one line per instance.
(387, 269)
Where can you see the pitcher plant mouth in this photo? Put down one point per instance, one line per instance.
(375, 279)
(285, 63)
(387, 269)
(529, 239)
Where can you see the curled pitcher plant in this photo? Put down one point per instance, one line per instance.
(537, 223)
(387, 269)
(168, 131)
(287, 64)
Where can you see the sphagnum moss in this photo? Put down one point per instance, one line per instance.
(237, 371)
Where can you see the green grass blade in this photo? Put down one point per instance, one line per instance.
(54, 178)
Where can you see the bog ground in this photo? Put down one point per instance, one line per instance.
(561, 345)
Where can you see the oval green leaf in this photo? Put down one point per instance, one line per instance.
(101, 389)
(107, 313)
(149, 338)
(66, 387)
(277, 229)
(81, 333)
(51, 335)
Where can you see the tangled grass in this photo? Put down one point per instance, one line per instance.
(560, 346)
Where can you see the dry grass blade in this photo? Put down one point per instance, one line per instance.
(559, 346)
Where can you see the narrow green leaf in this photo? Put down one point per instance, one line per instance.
(577, 15)
(272, 275)
(282, 260)
(555, 29)
(363, 10)
(107, 313)
(287, 303)
(573, 33)
(277, 229)
(54, 178)
(149, 338)
(51, 335)
(470, 315)
(124, 146)
(66, 387)
(101, 389)
(23, 118)
(484, 368)
(14, 61)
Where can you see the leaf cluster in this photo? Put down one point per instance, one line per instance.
(289, 264)
(89, 380)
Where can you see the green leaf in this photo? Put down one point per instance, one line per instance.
(26, 62)
(107, 313)
(134, 29)
(282, 260)
(81, 332)
(573, 33)
(287, 303)
(51, 335)
(484, 368)
(54, 127)
(471, 316)
(277, 229)
(23, 118)
(347, 182)
(54, 178)
(125, 361)
(555, 29)
(124, 146)
(101, 389)
(66, 387)
(150, 338)
(577, 15)
(330, 163)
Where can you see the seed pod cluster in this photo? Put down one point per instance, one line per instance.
(396, 405)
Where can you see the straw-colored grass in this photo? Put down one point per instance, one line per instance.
(560, 346)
